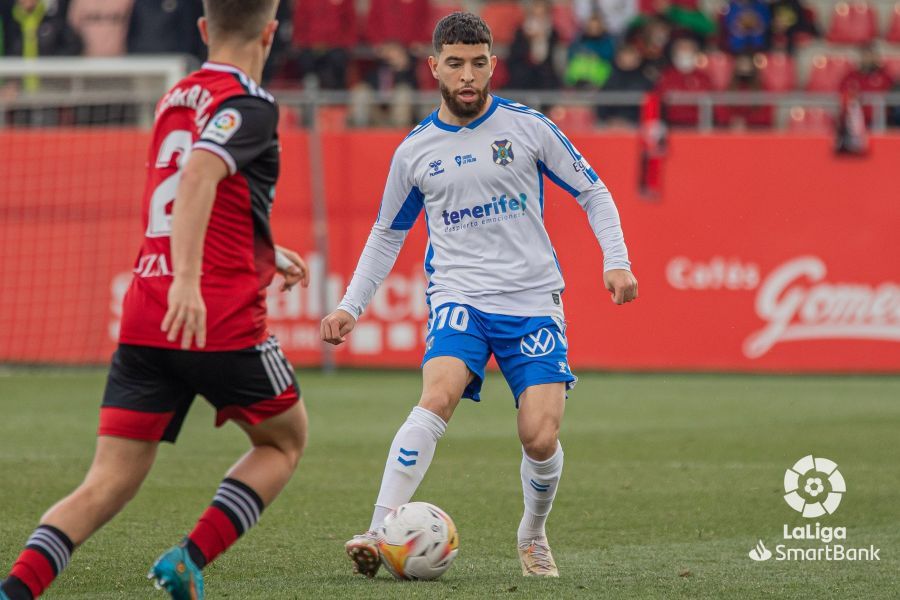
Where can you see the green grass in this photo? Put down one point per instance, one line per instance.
(668, 483)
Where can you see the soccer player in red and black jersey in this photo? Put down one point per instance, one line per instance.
(194, 318)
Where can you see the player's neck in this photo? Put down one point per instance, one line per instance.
(249, 61)
(450, 118)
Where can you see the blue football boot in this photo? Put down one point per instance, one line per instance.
(177, 574)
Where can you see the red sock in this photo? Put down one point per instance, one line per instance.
(235, 508)
(46, 554)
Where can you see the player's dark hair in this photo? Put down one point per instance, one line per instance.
(461, 28)
(244, 19)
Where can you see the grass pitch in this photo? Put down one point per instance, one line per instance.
(669, 481)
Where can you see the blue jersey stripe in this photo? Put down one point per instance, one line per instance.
(409, 211)
(557, 180)
(556, 131)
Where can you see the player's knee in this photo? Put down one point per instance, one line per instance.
(439, 402)
(540, 444)
(108, 494)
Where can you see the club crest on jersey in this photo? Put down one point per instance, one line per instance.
(223, 126)
(503, 153)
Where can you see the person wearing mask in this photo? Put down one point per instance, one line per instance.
(683, 76)
(627, 76)
(531, 52)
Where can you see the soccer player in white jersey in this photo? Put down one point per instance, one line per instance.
(477, 166)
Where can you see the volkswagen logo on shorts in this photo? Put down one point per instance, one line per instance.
(539, 343)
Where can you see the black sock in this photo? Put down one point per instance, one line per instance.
(15, 589)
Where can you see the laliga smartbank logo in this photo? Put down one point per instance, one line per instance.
(814, 487)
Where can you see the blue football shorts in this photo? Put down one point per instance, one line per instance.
(529, 350)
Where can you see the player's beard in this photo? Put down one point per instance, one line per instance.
(460, 108)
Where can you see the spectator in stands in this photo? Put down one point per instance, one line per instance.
(791, 22)
(102, 25)
(627, 76)
(164, 27)
(34, 28)
(405, 21)
(683, 20)
(616, 14)
(530, 61)
(590, 56)
(744, 79)
(746, 26)
(651, 37)
(870, 76)
(395, 74)
(683, 76)
(894, 111)
(324, 33)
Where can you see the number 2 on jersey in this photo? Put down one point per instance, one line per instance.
(160, 222)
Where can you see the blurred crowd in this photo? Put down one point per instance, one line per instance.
(373, 46)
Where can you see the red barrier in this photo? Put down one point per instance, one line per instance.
(765, 253)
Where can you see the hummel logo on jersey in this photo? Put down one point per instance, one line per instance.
(435, 167)
(538, 344)
(495, 208)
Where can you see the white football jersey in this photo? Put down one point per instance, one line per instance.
(482, 190)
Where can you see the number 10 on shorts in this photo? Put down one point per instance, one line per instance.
(457, 317)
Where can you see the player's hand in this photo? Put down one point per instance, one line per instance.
(622, 285)
(186, 314)
(336, 326)
(291, 267)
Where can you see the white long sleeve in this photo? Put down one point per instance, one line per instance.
(603, 215)
(375, 263)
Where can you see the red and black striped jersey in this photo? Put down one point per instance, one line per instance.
(217, 109)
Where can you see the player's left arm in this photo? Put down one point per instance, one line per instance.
(291, 267)
(566, 167)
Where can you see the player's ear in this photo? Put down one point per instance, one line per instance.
(203, 26)
(493, 63)
(432, 64)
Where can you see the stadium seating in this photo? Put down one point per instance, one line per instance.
(441, 10)
(776, 71)
(719, 67)
(893, 30)
(565, 22)
(827, 72)
(574, 118)
(892, 66)
(814, 119)
(852, 23)
(503, 18)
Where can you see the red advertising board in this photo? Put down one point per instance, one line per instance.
(764, 252)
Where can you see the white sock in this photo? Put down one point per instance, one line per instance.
(540, 480)
(409, 459)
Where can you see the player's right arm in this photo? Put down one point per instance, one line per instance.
(241, 129)
(194, 200)
(400, 207)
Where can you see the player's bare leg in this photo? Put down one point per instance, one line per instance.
(249, 486)
(444, 379)
(540, 414)
(118, 469)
